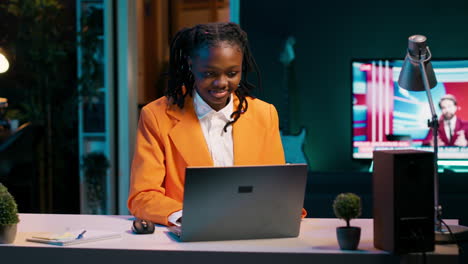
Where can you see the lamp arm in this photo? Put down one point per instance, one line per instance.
(434, 125)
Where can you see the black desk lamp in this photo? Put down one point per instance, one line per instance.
(417, 74)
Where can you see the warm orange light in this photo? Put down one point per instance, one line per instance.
(4, 64)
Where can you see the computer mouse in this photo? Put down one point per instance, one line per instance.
(141, 226)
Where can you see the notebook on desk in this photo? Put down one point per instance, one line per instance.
(242, 202)
(72, 237)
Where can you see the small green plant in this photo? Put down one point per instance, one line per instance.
(347, 206)
(8, 207)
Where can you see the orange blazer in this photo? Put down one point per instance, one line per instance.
(169, 139)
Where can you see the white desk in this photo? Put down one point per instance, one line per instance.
(316, 244)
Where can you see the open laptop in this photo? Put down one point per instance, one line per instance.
(242, 202)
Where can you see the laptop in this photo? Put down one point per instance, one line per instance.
(242, 202)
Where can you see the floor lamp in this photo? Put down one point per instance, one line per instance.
(417, 74)
(4, 64)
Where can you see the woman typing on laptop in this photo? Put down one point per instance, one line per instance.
(208, 117)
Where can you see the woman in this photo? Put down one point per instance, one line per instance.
(208, 117)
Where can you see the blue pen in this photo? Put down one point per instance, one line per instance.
(80, 236)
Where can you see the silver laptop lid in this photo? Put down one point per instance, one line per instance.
(243, 202)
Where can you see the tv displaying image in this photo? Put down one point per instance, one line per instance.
(386, 116)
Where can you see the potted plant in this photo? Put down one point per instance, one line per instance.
(347, 206)
(95, 165)
(8, 216)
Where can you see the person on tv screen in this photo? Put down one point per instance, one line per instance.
(452, 130)
(208, 117)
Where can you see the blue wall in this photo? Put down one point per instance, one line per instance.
(328, 36)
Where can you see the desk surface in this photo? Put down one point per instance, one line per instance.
(317, 241)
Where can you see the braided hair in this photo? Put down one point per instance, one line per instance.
(188, 41)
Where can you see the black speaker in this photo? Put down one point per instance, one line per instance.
(403, 205)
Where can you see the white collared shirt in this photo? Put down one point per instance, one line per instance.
(212, 123)
(219, 142)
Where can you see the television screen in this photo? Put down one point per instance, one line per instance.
(386, 116)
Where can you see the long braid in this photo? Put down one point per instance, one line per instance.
(179, 72)
(189, 40)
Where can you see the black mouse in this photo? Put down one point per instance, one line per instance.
(141, 226)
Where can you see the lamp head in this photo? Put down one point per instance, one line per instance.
(411, 76)
(4, 63)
